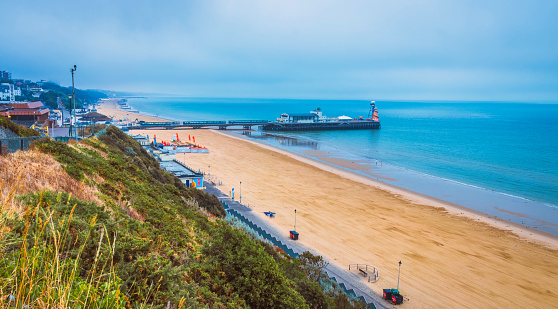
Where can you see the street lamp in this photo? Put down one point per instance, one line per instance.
(398, 275)
(295, 221)
(240, 195)
(73, 110)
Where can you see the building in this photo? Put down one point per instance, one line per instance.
(94, 117)
(7, 92)
(5, 75)
(168, 162)
(26, 113)
(188, 176)
(142, 140)
(300, 118)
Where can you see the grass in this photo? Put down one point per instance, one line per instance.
(37, 171)
(94, 225)
(35, 271)
(17, 129)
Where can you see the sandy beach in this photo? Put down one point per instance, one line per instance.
(451, 256)
(111, 109)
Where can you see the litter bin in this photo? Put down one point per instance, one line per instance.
(294, 235)
(397, 299)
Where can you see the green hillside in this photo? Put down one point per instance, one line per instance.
(151, 243)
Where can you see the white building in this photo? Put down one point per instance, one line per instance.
(7, 92)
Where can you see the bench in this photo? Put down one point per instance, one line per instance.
(364, 273)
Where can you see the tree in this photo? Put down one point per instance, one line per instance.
(312, 265)
(253, 273)
(50, 99)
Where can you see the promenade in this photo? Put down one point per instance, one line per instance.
(349, 281)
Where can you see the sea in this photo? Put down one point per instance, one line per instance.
(499, 158)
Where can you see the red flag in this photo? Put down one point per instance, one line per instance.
(189, 138)
(194, 138)
(177, 138)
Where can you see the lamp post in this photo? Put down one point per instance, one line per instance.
(73, 109)
(240, 195)
(398, 275)
(295, 221)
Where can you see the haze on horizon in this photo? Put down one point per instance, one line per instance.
(413, 50)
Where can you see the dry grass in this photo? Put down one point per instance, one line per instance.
(37, 171)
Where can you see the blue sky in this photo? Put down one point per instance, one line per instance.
(417, 50)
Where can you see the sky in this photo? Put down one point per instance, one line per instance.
(352, 49)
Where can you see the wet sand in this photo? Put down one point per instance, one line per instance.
(451, 256)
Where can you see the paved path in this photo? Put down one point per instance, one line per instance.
(350, 280)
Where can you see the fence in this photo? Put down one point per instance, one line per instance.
(9, 145)
(366, 270)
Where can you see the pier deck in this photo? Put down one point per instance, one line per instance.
(221, 125)
(315, 126)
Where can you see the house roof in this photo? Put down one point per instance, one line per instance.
(27, 105)
(94, 116)
(139, 136)
(25, 112)
(303, 115)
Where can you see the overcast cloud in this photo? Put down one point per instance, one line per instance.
(445, 50)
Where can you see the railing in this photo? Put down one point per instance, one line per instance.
(367, 271)
(159, 123)
(203, 122)
(247, 121)
(351, 293)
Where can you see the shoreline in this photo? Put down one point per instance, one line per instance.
(540, 237)
(522, 212)
(349, 218)
(111, 108)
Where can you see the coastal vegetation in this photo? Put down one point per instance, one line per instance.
(52, 93)
(97, 223)
(16, 128)
(82, 96)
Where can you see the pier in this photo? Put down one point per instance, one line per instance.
(221, 125)
(265, 124)
(316, 126)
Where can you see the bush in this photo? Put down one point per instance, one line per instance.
(252, 271)
(16, 128)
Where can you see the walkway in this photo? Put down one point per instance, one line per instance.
(351, 282)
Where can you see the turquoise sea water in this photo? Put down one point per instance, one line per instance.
(499, 158)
